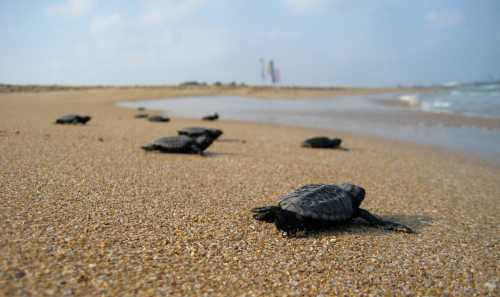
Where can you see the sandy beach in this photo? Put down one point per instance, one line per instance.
(85, 212)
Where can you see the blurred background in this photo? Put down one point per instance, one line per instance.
(311, 42)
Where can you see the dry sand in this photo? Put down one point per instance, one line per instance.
(80, 216)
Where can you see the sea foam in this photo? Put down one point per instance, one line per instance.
(410, 99)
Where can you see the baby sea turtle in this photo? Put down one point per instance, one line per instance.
(199, 131)
(141, 115)
(322, 142)
(180, 144)
(211, 117)
(159, 118)
(321, 205)
(73, 119)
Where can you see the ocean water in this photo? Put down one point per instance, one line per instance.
(353, 114)
(481, 100)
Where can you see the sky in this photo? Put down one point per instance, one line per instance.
(312, 42)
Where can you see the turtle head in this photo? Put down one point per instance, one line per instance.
(203, 142)
(84, 119)
(357, 193)
(215, 133)
(335, 142)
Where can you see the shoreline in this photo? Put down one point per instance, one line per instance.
(468, 136)
(446, 118)
(86, 212)
(272, 92)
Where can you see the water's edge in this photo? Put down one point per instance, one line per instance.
(355, 114)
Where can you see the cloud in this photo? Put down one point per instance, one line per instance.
(104, 28)
(305, 6)
(118, 50)
(71, 8)
(444, 18)
(164, 11)
(164, 57)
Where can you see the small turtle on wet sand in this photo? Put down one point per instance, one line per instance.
(159, 118)
(317, 206)
(322, 142)
(199, 131)
(141, 115)
(73, 119)
(180, 144)
(211, 117)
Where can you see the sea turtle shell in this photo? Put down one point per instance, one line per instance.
(158, 118)
(179, 144)
(73, 119)
(141, 115)
(199, 131)
(320, 202)
(211, 117)
(322, 142)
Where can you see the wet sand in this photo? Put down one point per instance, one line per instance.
(86, 212)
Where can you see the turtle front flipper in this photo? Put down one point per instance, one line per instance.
(386, 225)
(149, 147)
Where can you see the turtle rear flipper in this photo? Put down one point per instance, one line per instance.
(266, 213)
(288, 223)
(386, 225)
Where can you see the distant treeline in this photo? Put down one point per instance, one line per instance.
(10, 88)
(217, 84)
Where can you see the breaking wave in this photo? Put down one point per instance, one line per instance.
(470, 100)
(410, 99)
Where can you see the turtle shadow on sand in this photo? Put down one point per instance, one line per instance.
(232, 140)
(358, 226)
(339, 148)
(211, 154)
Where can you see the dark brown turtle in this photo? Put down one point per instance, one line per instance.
(199, 131)
(73, 119)
(321, 205)
(322, 142)
(180, 144)
(211, 117)
(141, 115)
(159, 118)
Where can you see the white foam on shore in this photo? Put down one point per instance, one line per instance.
(410, 99)
(436, 106)
(441, 104)
(451, 84)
